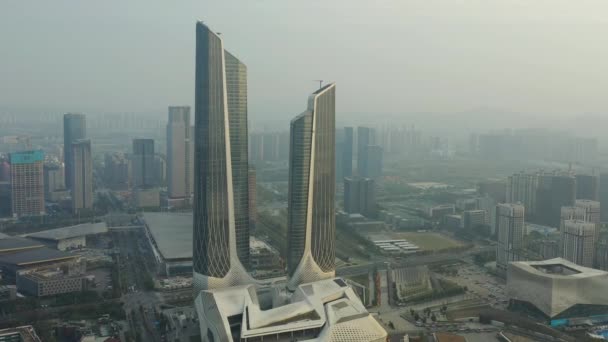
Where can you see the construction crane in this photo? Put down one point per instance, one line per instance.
(320, 83)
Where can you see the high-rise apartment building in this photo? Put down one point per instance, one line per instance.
(27, 183)
(347, 152)
(180, 153)
(588, 187)
(360, 196)
(592, 211)
(578, 242)
(74, 128)
(554, 192)
(311, 197)
(365, 136)
(221, 203)
(142, 163)
(510, 230)
(82, 175)
(571, 213)
(522, 188)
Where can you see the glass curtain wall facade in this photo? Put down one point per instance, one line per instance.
(311, 203)
(221, 169)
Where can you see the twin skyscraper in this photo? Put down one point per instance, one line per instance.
(221, 213)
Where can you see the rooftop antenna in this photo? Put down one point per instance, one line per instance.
(320, 83)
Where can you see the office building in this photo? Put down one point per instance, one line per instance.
(473, 218)
(74, 128)
(439, 211)
(510, 230)
(82, 175)
(27, 183)
(142, 163)
(221, 204)
(554, 192)
(311, 196)
(117, 171)
(180, 153)
(578, 242)
(54, 179)
(588, 187)
(522, 188)
(160, 170)
(360, 196)
(347, 152)
(365, 137)
(253, 210)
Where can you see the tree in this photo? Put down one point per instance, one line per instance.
(433, 318)
(416, 317)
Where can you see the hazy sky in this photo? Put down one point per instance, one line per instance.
(396, 56)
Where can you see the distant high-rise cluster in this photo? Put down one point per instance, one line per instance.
(534, 145)
(268, 146)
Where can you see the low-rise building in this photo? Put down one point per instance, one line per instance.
(50, 281)
(72, 237)
(19, 334)
(556, 288)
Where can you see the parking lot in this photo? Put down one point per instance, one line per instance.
(484, 285)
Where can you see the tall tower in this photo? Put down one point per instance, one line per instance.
(82, 175)
(311, 203)
(27, 183)
(510, 229)
(221, 215)
(143, 163)
(74, 128)
(179, 152)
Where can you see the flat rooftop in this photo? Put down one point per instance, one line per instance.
(35, 256)
(71, 231)
(172, 233)
(16, 244)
